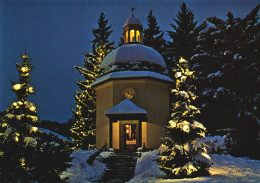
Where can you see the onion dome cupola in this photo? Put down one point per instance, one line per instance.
(133, 59)
(133, 30)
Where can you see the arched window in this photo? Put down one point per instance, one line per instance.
(138, 36)
(132, 35)
(126, 36)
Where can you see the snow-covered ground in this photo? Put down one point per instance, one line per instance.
(81, 171)
(225, 169)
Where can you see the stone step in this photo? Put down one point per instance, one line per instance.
(120, 167)
(110, 168)
(121, 176)
(123, 158)
(122, 164)
(119, 171)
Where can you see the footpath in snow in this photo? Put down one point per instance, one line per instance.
(225, 169)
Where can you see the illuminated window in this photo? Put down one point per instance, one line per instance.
(126, 36)
(138, 36)
(132, 35)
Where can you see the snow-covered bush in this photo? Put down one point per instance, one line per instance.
(81, 171)
(146, 165)
(216, 144)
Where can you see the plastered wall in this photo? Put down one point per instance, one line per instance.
(152, 96)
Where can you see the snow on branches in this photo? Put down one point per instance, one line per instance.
(183, 154)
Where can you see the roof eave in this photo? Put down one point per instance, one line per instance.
(109, 77)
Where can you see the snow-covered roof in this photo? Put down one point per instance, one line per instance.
(131, 21)
(125, 107)
(132, 74)
(133, 52)
(133, 57)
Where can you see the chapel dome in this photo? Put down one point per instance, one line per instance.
(132, 21)
(133, 57)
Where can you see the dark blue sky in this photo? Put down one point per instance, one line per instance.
(57, 32)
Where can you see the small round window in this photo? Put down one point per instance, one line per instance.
(129, 93)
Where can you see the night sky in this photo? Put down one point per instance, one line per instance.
(57, 32)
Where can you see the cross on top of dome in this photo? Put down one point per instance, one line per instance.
(133, 12)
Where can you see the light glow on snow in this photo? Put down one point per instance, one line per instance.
(205, 155)
(33, 129)
(225, 169)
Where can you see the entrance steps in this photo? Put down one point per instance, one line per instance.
(120, 167)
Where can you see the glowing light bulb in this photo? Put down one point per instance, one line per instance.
(182, 60)
(32, 108)
(24, 69)
(186, 128)
(17, 86)
(16, 139)
(34, 129)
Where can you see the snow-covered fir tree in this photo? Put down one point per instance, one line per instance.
(84, 129)
(183, 154)
(227, 61)
(184, 34)
(26, 152)
(153, 36)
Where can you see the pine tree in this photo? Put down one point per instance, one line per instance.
(26, 153)
(84, 129)
(184, 153)
(153, 36)
(121, 41)
(101, 35)
(227, 61)
(184, 35)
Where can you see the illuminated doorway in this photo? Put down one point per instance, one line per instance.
(130, 133)
(125, 126)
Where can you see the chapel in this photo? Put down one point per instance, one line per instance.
(132, 94)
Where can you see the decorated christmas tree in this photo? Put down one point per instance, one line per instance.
(26, 152)
(84, 129)
(183, 154)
